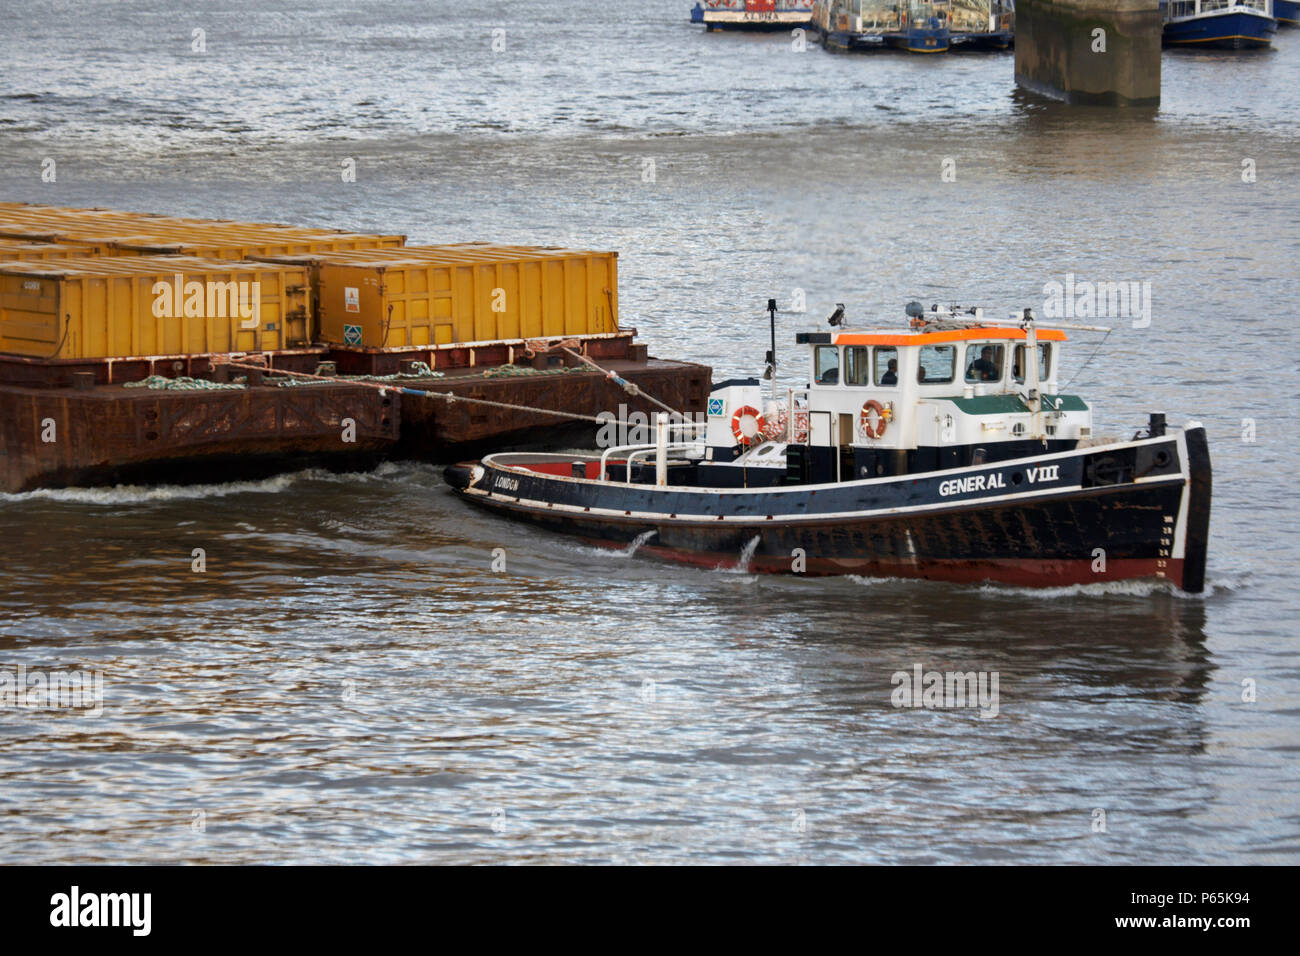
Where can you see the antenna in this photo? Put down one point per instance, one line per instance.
(1021, 319)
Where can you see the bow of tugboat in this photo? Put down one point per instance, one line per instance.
(460, 475)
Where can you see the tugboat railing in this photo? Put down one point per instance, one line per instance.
(630, 454)
(664, 430)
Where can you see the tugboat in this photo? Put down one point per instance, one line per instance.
(752, 14)
(943, 450)
(917, 26)
(1223, 24)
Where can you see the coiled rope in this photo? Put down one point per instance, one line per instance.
(182, 383)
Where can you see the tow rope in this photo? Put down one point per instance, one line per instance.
(384, 387)
(534, 347)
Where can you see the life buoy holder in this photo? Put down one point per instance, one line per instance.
(869, 408)
(738, 423)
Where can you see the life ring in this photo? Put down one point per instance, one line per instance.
(738, 421)
(864, 418)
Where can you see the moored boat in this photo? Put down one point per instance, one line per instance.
(752, 14)
(944, 450)
(1287, 12)
(982, 24)
(1220, 24)
(917, 26)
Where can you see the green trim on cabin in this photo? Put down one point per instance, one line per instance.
(1011, 404)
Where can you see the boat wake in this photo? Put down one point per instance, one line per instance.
(639, 540)
(1139, 588)
(746, 555)
(148, 494)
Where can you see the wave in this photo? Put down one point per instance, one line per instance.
(149, 494)
(1134, 587)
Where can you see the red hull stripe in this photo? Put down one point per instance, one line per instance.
(1022, 572)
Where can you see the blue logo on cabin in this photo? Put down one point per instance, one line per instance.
(716, 405)
(351, 335)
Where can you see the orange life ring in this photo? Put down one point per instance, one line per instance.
(864, 418)
(738, 419)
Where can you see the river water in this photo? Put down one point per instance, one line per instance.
(360, 676)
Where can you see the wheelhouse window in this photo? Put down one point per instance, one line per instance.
(886, 366)
(857, 365)
(1044, 362)
(984, 362)
(938, 364)
(826, 365)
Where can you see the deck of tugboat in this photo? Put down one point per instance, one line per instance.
(560, 468)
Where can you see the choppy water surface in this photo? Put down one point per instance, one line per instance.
(351, 681)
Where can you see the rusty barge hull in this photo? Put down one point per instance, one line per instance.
(108, 434)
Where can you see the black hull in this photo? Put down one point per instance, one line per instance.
(1088, 525)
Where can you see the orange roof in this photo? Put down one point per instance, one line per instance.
(935, 338)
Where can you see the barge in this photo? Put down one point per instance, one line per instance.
(73, 428)
(156, 349)
(944, 451)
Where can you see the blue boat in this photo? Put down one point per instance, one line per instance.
(1222, 24)
(1287, 12)
(917, 26)
(926, 30)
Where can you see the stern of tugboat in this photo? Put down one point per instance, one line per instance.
(1196, 529)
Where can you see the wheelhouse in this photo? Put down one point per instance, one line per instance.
(951, 391)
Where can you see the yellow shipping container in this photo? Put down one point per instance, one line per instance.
(131, 222)
(11, 249)
(196, 241)
(242, 245)
(147, 234)
(147, 305)
(439, 295)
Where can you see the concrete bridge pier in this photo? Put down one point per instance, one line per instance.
(1100, 52)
